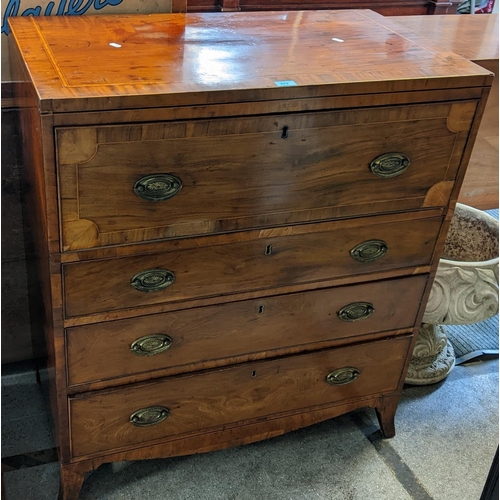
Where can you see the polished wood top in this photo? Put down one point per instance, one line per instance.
(472, 37)
(129, 61)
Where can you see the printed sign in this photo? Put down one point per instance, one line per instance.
(285, 83)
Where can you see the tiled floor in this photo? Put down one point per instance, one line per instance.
(446, 438)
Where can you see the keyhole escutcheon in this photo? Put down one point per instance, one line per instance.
(269, 250)
(284, 133)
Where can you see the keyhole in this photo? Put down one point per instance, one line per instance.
(254, 373)
(284, 134)
(269, 250)
(261, 309)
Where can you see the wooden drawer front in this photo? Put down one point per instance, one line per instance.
(127, 347)
(243, 173)
(260, 263)
(101, 421)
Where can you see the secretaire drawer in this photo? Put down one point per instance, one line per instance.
(194, 403)
(141, 182)
(253, 261)
(190, 337)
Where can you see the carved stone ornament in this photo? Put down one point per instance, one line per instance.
(461, 296)
(433, 357)
(465, 291)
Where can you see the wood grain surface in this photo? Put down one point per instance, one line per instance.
(215, 270)
(103, 351)
(242, 434)
(475, 38)
(190, 59)
(319, 170)
(197, 403)
(480, 186)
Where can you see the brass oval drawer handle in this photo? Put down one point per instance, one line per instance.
(369, 250)
(343, 376)
(150, 345)
(149, 416)
(356, 311)
(152, 280)
(157, 187)
(389, 165)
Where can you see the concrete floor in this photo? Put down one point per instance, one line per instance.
(446, 437)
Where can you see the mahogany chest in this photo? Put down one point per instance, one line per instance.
(238, 219)
(384, 7)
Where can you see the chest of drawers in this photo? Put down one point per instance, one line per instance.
(237, 217)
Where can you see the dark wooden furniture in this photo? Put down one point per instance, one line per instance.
(475, 38)
(490, 491)
(384, 7)
(238, 219)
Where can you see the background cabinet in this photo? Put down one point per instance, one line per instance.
(384, 7)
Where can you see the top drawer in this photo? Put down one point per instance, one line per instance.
(133, 183)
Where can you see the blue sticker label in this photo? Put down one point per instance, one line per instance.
(285, 83)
